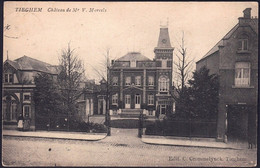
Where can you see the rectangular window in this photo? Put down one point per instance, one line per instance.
(158, 64)
(127, 99)
(164, 63)
(169, 63)
(138, 80)
(150, 112)
(115, 81)
(150, 99)
(243, 45)
(26, 111)
(14, 111)
(128, 81)
(8, 78)
(150, 81)
(26, 97)
(133, 63)
(242, 74)
(114, 99)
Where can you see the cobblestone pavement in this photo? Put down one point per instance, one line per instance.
(122, 148)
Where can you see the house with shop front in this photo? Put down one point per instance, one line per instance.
(235, 59)
(141, 84)
(18, 87)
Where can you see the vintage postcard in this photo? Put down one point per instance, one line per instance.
(138, 84)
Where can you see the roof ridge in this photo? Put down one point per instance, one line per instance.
(25, 56)
(223, 38)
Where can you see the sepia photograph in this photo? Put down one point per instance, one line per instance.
(129, 84)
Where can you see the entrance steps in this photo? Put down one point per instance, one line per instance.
(130, 113)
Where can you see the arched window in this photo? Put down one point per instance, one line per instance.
(243, 42)
(10, 108)
(163, 84)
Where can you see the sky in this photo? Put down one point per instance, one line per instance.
(121, 27)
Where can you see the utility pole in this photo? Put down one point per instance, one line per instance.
(107, 96)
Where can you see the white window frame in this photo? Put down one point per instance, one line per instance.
(243, 47)
(115, 81)
(128, 81)
(163, 84)
(138, 80)
(127, 101)
(115, 99)
(150, 99)
(240, 73)
(164, 63)
(150, 112)
(133, 63)
(8, 77)
(24, 110)
(137, 101)
(150, 81)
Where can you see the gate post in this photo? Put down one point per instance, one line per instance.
(140, 129)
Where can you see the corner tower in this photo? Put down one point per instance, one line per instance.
(164, 50)
(163, 58)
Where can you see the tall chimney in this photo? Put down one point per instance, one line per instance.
(247, 13)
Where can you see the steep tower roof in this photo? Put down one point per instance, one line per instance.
(164, 39)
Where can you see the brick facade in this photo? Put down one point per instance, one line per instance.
(150, 84)
(238, 86)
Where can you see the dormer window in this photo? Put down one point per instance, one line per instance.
(8, 78)
(133, 63)
(243, 45)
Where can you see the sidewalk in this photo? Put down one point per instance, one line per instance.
(56, 135)
(194, 142)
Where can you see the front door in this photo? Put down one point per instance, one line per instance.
(137, 101)
(163, 109)
(127, 101)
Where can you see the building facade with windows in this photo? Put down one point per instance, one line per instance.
(18, 87)
(235, 59)
(141, 83)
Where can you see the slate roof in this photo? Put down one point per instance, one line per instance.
(28, 63)
(133, 56)
(164, 35)
(253, 24)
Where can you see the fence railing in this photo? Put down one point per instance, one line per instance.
(183, 128)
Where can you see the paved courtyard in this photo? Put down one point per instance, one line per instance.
(123, 148)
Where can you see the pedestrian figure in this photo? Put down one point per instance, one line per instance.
(26, 123)
(20, 122)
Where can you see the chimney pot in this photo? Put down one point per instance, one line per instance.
(247, 13)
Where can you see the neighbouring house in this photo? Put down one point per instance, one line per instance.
(93, 99)
(141, 84)
(235, 59)
(18, 87)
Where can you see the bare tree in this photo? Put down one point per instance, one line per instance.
(104, 71)
(70, 76)
(183, 65)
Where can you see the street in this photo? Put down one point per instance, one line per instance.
(123, 148)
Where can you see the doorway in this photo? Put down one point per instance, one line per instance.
(137, 101)
(237, 117)
(127, 101)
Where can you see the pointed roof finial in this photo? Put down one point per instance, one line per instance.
(7, 55)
